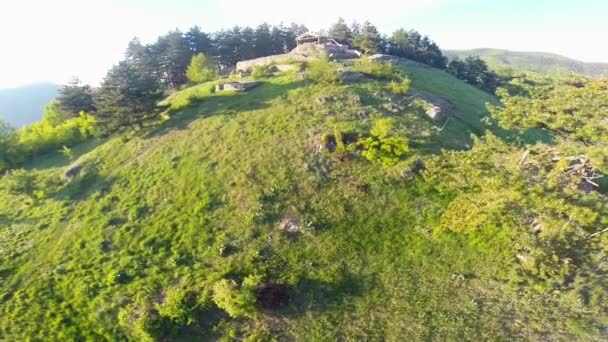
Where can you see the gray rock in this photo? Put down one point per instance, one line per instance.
(350, 76)
(363, 115)
(73, 172)
(240, 86)
(290, 225)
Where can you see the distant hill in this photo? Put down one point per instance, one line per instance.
(541, 62)
(23, 105)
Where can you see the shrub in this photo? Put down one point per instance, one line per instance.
(261, 71)
(383, 145)
(399, 87)
(377, 70)
(237, 301)
(43, 137)
(177, 306)
(201, 69)
(322, 71)
(141, 321)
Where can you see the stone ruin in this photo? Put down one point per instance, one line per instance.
(310, 47)
(237, 86)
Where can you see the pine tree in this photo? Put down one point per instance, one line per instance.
(277, 39)
(341, 32)
(247, 48)
(75, 98)
(201, 69)
(198, 41)
(263, 41)
(229, 47)
(173, 56)
(369, 40)
(297, 29)
(355, 28)
(9, 153)
(126, 97)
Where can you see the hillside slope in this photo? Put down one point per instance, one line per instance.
(240, 185)
(540, 62)
(24, 105)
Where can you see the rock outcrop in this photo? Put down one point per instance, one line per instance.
(302, 53)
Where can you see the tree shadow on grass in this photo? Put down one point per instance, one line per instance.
(317, 295)
(226, 103)
(84, 184)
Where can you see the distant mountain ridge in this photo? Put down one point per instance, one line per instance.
(540, 62)
(24, 105)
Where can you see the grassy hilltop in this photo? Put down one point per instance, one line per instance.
(267, 186)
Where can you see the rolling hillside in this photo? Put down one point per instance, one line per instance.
(540, 62)
(24, 105)
(240, 186)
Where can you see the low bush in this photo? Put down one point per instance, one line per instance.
(399, 87)
(322, 71)
(385, 71)
(237, 301)
(262, 71)
(383, 145)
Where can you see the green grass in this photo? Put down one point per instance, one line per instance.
(199, 197)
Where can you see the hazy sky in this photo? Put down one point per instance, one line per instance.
(52, 40)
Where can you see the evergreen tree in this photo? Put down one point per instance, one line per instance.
(290, 36)
(143, 58)
(355, 28)
(173, 56)
(474, 71)
(247, 48)
(277, 39)
(341, 32)
(201, 69)
(127, 96)
(369, 40)
(8, 146)
(229, 47)
(263, 41)
(198, 41)
(75, 97)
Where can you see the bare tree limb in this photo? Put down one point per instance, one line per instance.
(598, 233)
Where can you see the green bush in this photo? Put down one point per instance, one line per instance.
(43, 137)
(237, 301)
(399, 87)
(202, 69)
(382, 144)
(322, 71)
(261, 71)
(385, 71)
(177, 306)
(141, 321)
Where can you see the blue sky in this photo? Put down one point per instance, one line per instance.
(46, 40)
